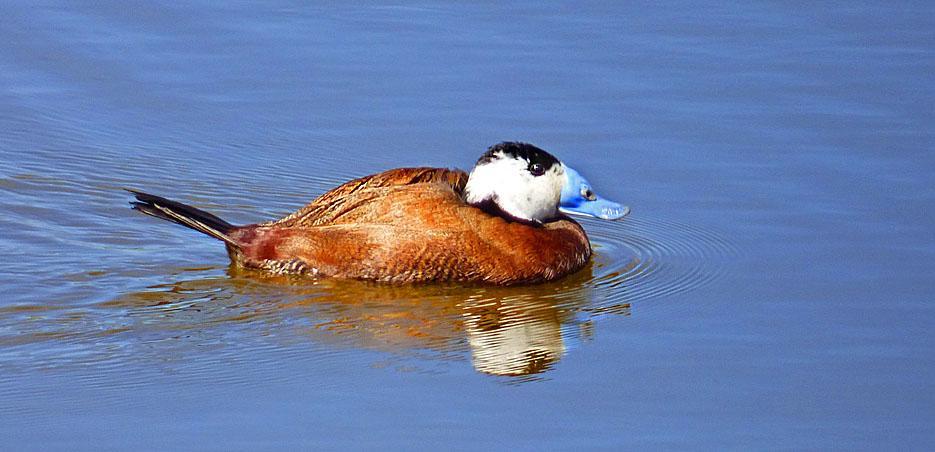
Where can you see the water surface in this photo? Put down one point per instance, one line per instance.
(771, 288)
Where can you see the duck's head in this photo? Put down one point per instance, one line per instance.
(526, 183)
(519, 179)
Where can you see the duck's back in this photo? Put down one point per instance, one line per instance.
(410, 225)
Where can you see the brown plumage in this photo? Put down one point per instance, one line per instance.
(402, 225)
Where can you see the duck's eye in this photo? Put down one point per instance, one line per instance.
(536, 169)
(588, 194)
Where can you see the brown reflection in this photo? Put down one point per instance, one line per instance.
(507, 331)
(514, 336)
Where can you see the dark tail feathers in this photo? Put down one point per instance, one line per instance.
(184, 215)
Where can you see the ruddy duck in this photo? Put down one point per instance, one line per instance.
(501, 224)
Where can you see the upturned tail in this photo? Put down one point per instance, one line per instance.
(184, 215)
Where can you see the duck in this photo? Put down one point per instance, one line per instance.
(505, 223)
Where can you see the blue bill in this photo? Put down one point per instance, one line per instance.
(578, 198)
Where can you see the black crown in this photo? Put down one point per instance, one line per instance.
(519, 150)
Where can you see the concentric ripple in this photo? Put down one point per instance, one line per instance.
(645, 258)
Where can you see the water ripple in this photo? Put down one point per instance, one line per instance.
(645, 258)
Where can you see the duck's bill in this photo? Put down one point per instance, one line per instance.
(598, 208)
(578, 198)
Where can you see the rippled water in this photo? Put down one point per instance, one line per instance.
(142, 280)
(771, 287)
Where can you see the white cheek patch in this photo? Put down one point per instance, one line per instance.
(515, 190)
(495, 180)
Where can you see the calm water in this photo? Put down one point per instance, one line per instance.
(772, 289)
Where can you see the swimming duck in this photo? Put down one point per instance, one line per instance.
(501, 224)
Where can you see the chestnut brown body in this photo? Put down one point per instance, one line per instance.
(407, 225)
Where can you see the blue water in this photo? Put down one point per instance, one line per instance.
(771, 289)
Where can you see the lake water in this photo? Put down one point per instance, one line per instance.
(771, 289)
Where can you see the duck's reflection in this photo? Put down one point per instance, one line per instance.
(514, 336)
(507, 331)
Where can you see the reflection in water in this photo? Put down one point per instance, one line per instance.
(514, 336)
(509, 331)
